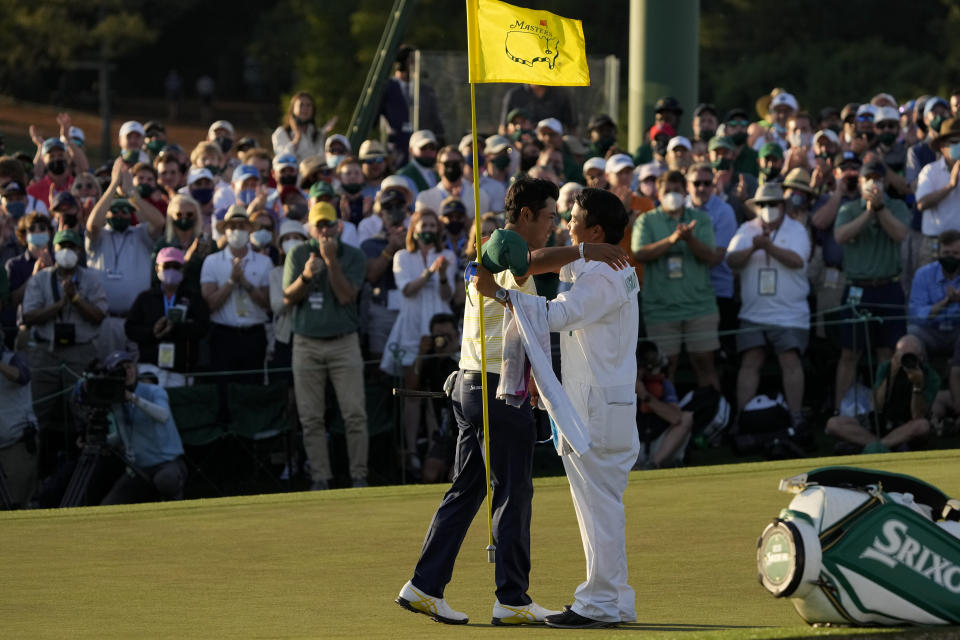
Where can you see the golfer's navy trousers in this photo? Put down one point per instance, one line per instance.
(512, 438)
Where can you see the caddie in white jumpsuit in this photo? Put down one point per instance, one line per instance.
(598, 322)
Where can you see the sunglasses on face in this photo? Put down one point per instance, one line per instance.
(700, 184)
(738, 123)
(376, 160)
(324, 224)
(865, 118)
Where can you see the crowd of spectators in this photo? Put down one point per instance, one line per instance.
(224, 256)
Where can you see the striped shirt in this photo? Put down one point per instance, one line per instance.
(493, 325)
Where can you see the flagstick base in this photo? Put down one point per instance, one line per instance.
(491, 554)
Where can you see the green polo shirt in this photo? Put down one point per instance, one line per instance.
(873, 254)
(676, 286)
(320, 314)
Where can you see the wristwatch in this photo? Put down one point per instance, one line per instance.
(502, 296)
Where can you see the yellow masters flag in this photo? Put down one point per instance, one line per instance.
(512, 44)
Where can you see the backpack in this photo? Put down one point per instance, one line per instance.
(711, 414)
(764, 427)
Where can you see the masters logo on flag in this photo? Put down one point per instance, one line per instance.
(513, 44)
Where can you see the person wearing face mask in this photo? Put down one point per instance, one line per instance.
(452, 183)
(800, 141)
(423, 157)
(145, 182)
(676, 246)
(58, 177)
(938, 197)
(12, 208)
(235, 283)
(209, 157)
(337, 148)
(935, 299)
(292, 235)
(380, 248)
(453, 217)
(797, 195)
(33, 232)
(167, 322)
(352, 206)
(932, 113)
(321, 280)
(154, 137)
(770, 159)
(63, 306)
(700, 195)
(120, 250)
(769, 254)
(826, 145)
(647, 175)
(497, 153)
(743, 158)
(424, 272)
(890, 148)
(705, 122)
(131, 137)
(246, 180)
(667, 111)
(871, 230)
(773, 128)
(299, 134)
(200, 188)
(222, 134)
(184, 231)
(830, 280)
(373, 158)
(262, 237)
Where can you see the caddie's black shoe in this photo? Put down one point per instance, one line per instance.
(570, 619)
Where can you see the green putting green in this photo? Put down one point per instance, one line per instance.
(329, 564)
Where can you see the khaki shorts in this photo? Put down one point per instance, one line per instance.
(698, 334)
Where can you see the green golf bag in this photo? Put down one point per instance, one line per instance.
(864, 547)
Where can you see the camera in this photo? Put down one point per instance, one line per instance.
(439, 342)
(910, 361)
(102, 387)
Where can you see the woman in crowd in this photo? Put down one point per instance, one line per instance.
(262, 238)
(299, 135)
(424, 273)
(489, 222)
(185, 232)
(34, 232)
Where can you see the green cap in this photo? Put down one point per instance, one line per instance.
(517, 112)
(68, 235)
(771, 149)
(721, 142)
(122, 204)
(506, 250)
(320, 188)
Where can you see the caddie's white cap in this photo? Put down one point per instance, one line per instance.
(679, 141)
(421, 138)
(551, 123)
(618, 162)
(595, 163)
(130, 126)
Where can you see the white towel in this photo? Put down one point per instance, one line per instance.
(530, 320)
(512, 387)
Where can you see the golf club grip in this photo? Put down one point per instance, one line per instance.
(414, 393)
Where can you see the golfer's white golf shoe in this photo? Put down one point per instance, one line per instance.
(412, 599)
(520, 614)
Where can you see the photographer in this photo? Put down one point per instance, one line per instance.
(150, 440)
(903, 394)
(167, 322)
(437, 358)
(663, 427)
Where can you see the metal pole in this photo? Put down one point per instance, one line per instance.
(611, 86)
(416, 90)
(635, 71)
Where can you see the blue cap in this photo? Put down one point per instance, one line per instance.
(51, 143)
(932, 102)
(117, 357)
(245, 172)
(285, 160)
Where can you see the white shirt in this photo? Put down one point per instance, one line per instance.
(307, 147)
(432, 199)
(787, 306)
(348, 235)
(598, 320)
(946, 215)
(497, 192)
(239, 310)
